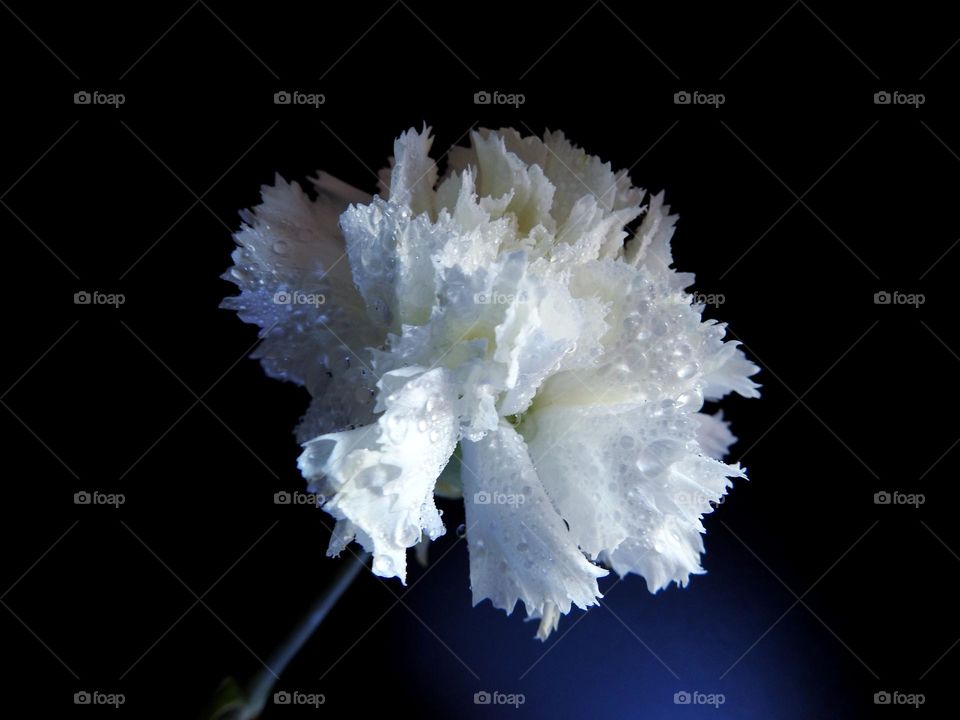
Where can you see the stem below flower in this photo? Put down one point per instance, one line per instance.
(258, 691)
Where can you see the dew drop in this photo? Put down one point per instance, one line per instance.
(692, 398)
(687, 371)
(649, 464)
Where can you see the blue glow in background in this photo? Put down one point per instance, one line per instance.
(629, 658)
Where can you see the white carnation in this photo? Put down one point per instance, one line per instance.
(500, 315)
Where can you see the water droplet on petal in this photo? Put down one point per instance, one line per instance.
(687, 371)
(649, 464)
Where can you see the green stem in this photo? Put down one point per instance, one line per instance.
(260, 687)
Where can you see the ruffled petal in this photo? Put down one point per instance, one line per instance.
(729, 371)
(632, 484)
(295, 285)
(380, 478)
(657, 345)
(520, 548)
(714, 436)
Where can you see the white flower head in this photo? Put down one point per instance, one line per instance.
(497, 334)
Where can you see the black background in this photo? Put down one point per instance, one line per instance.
(857, 397)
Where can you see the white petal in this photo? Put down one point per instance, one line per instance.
(540, 327)
(656, 347)
(413, 175)
(503, 174)
(520, 548)
(631, 484)
(730, 371)
(714, 435)
(380, 478)
(591, 231)
(650, 246)
(291, 249)
(575, 174)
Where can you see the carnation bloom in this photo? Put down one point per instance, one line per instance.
(497, 335)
